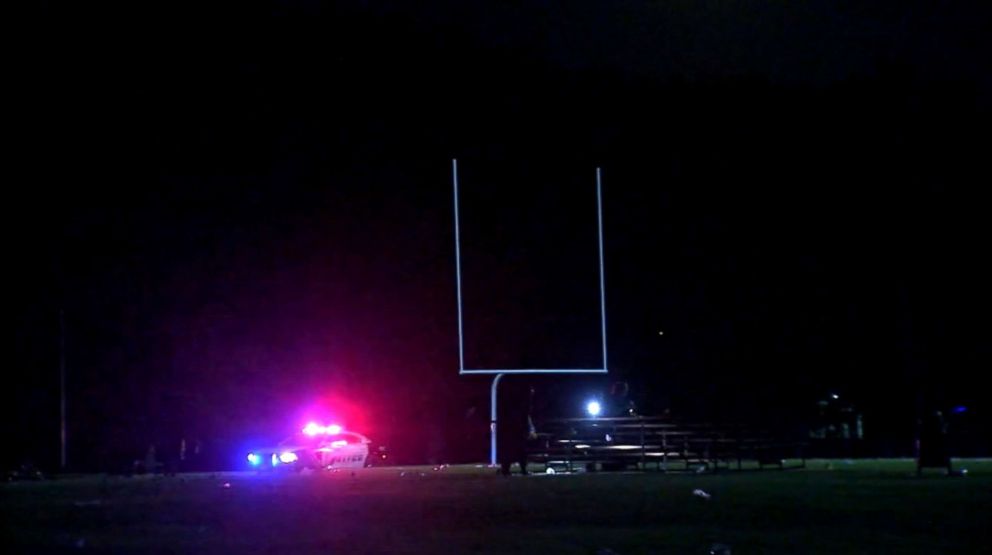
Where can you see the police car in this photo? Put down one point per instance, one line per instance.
(315, 447)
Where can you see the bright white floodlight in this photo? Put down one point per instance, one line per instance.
(593, 408)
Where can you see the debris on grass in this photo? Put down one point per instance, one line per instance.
(24, 473)
(719, 549)
(701, 493)
(226, 485)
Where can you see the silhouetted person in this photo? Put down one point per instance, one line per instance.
(196, 459)
(173, 455)
(182, 455)
(151, 460)
(513, 424)
(619, 401)
(934, 452)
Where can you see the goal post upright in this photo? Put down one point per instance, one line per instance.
(500, 372)
(458, 270)
(602, 277)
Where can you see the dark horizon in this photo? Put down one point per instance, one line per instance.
(243, 212)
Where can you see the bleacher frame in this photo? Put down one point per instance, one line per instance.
(658, 443)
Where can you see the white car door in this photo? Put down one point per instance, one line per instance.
(344, 450)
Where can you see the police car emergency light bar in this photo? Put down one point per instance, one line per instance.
(458, 276)
(313, 429)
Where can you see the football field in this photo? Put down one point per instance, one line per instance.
(830, 507)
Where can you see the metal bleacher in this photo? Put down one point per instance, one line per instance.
(657, 443)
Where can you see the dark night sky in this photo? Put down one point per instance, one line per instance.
(245, 210)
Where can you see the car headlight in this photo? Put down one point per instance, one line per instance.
(288, 457)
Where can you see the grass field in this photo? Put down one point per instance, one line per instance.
(831, 507)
